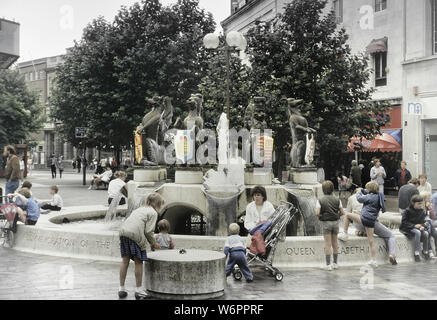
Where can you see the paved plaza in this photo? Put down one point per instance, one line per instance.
(29, 276)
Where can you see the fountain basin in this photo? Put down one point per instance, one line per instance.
(196, 274)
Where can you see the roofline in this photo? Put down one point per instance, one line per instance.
(37, 61)
(243, 9)
(3, 19)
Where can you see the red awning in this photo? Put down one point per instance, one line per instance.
(383, 143)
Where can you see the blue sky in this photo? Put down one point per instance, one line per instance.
(50, 26)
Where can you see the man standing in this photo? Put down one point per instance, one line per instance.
(402, 175)
(12, 170)
(355, 174)
(406, 192)
(53, 165)
(377, 173)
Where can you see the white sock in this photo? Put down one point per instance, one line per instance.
(138, 289)
(121, 288)
(416, 253)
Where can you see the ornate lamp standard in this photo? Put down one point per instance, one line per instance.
(235, 42)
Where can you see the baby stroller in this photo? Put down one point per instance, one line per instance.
(274, 234)
(8, 223)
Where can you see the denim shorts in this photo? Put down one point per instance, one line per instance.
(367, 222)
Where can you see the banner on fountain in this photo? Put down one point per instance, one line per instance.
(184, 145)
(138, 146)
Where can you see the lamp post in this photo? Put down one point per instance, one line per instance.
(235, 42)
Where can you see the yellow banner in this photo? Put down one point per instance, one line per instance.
(138, 146)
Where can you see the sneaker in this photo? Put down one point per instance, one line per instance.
(416, 258)
(334, 266)
(393, 261)
(90, 188)
(249, 280)
(343, 236)
(42, 211)
(141, 295)
(327, 267)
(426, 255)
(431, 255)
(122, 294)
(372, 263)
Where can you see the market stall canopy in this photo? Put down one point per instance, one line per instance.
(377, 45)
(383, 143)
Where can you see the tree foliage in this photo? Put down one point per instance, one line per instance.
(302, 54)
(21, 112)
(147, 50)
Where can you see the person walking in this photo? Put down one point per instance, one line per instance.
(60, 166)
(377, 174)
(53, 163)
(406, 192)
(78, 164)
(12, 170)
(402, 175)
(355, 174)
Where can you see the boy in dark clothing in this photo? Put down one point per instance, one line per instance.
(235, 246)
(402, 175)
(414, 226)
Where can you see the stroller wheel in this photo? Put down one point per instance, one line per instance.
(237, 275)
(279, 276)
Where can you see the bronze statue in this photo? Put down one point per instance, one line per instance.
(299, 132)
(195, 108)
(255, 116)
(153, 127)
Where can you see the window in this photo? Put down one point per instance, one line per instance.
(380, 5)
(338, 9)
(380, 69)
(434, 26)
(31, 76)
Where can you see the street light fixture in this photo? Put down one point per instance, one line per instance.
(235, 42)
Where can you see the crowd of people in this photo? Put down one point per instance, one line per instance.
(417, 205)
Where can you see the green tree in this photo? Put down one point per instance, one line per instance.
(213, 88)
(147, 50)
(302, 54)
(21, 112)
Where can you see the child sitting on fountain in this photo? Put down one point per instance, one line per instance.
(163, 238)
(235, 246)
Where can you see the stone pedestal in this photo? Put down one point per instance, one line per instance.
(197, 274)
(150, 174)
(189, 176)
(303, 175)
(258, 176)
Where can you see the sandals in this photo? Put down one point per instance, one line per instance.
(141, 295)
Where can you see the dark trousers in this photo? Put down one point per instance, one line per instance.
(122, 201)
(60, 173)
(53, 167)
(50, 207)
(239, 258)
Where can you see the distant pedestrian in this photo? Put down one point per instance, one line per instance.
(406, 192)
(377, 174)
(73, 163)
(355, 174)
(424, 185)
(53, 163)
(235, 247)
(328, 210)
(60, 166)
(22, 166)
(402, 175)
(12, 170)
(342, 182)
(78, 163)
(134, 233)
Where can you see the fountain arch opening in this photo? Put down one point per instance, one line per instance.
(185, 220)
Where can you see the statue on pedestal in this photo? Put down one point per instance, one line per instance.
(153, 128)
(302, 136)
(255, 116)
(195, 108)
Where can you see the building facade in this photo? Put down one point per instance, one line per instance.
(9, 43)
(39, 76)
(400, 38)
